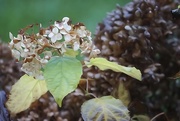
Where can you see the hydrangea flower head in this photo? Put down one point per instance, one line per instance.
(35, 50)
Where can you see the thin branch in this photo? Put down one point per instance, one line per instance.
(87, 92)
(159, 115)
(91, 95)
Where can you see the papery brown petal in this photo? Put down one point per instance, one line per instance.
(15, 41)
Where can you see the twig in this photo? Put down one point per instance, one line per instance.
(159, 115)
(86, 90)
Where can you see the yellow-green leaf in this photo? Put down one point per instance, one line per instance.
(24, 92)
(140, 118)
(104, 64)
(106, 108)
(71, 52)
(122, 93)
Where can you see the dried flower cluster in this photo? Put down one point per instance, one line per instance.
(143, 34)
(36, 49)
(140, 34)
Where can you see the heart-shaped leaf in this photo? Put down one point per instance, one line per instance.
(24, 92)
(106, 108)
(62, 75)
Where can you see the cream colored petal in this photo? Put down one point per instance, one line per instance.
(51, 34)
(44, 61)
(16, 54)
(53, 39)
(81, 33)
(55, 30)
(19, 37)
(67, 27)
(63, 49)
(47, 32)
(57, 45)
(58, 36)
(22, 44)
(65, 19)
(11, 44)
(11, 36)
(76, 46)
(58, 25)
(63, 31)
(67, 37)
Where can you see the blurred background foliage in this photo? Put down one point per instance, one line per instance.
(17, 14)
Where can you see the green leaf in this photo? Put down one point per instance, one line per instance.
(106, 108)
(62, 75)
(71, 52)
(140, 118)
(25, 91)
(104, 64)
(122, 93)
(77, 54)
